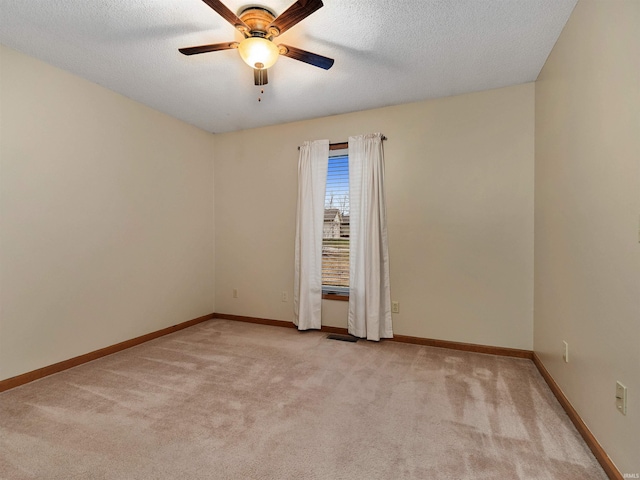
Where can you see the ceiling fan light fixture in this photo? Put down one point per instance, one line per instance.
(258, 52)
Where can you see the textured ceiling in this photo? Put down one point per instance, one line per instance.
(386, 52)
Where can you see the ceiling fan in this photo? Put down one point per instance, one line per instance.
(260, 26)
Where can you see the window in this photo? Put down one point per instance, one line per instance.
(335, 232)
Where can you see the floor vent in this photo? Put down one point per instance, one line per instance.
(342, 338)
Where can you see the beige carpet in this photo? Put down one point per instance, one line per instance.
(229, 400)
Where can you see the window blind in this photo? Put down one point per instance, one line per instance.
(335, 238)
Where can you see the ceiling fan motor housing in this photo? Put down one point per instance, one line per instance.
(258, 20)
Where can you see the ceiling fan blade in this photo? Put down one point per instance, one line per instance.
(214, 47)
(260, 76)
(227, 14)
(306, 57)
(294, 14)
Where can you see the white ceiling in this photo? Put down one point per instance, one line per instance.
(386, 52)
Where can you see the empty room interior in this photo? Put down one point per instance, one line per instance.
(150, 225)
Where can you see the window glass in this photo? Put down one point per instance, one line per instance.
(335, 232)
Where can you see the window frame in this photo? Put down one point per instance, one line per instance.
(331, 292)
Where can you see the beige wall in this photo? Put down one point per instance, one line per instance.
(106, 217)
(587, 255)
(459, 175)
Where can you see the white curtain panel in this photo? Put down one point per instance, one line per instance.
(312, 180)
(369, 293)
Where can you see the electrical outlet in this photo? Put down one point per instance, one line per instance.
(395, 307)
(621, 398)
(285, 297)
(235, 293)
(565, 355)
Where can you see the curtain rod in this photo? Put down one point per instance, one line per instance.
(342, 145)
